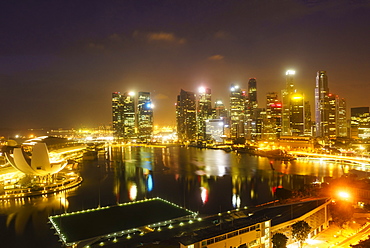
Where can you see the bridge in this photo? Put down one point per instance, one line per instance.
(350, 159)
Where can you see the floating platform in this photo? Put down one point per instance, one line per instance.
(115, 221)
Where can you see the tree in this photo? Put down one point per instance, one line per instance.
(300, 231)
(341, 213)
(279, 240)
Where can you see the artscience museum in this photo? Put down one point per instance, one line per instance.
(38, 163)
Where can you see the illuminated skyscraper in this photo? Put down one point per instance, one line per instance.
(322, 107)
(144, 117)
(272, 123)
(215, 129)
(204, 111)
(186, 116)
(123, 113)
(332, 114)
(220, 111)
(117, 109)
(308, 119)
(252, 93)
(237, 112)
(341, 117)
(360, 123)
(297, 116)
(287, 95)
(251, 114)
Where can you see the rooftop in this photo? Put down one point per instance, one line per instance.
(94, 223)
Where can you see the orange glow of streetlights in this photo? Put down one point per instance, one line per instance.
(344, 195)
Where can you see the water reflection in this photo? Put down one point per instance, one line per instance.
(207, 181)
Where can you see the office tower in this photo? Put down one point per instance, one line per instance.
(204, 111)
(186, 116)
(251, 105)
(123, 113)
(287, 94)
(272, 123)
(332, 115)
(322, 105)
(360, 123)
(219, 112)
(252, 93)
(144, 117)
(341, 117)
(297, 118)
(308, 121)
(237, 111)
(215, 130)
(117, 114)
(259, 114)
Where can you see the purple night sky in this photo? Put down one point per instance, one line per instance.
(61, 60)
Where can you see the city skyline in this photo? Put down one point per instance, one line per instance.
(61, 62)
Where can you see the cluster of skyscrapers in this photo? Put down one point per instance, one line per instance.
(199, 120)
(132, 116)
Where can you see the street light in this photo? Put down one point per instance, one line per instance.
(344, 195)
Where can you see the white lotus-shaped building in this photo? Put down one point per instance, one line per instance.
(39, 164)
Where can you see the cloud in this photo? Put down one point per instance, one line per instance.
(216, 57)
(159, 37)
(115, 37)
(222, 35)
(95, 46)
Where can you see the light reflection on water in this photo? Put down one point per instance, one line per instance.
(207, 181)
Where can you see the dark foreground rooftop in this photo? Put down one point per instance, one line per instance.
(94, 223)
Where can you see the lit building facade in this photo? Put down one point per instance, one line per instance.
(308, 121)
(186, 116)
(124, 116)
(251, 106)
(287, 94)
(272, 123)
(219, 111)
(322, 107)
(215, 130)
(117, 114)
(360, 123)
(132, 121)
(297, 115)
(341, 117)
(237, 112)
(204, 111)
(332, 127)
(144, 117)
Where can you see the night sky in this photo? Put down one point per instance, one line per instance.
(60, 61)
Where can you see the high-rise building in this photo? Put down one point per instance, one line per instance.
(124, 116)
(252, 93)
(251, 106)
(204, 111)
(341, 117)
(219, 111)
(144, 117)
(308, 121)
(322, 107)
(360, 123)
(297, 115)
(287, 95)
(237, 111)
(186, 116)
(332, 116)
(215, 130)
(272, 122)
